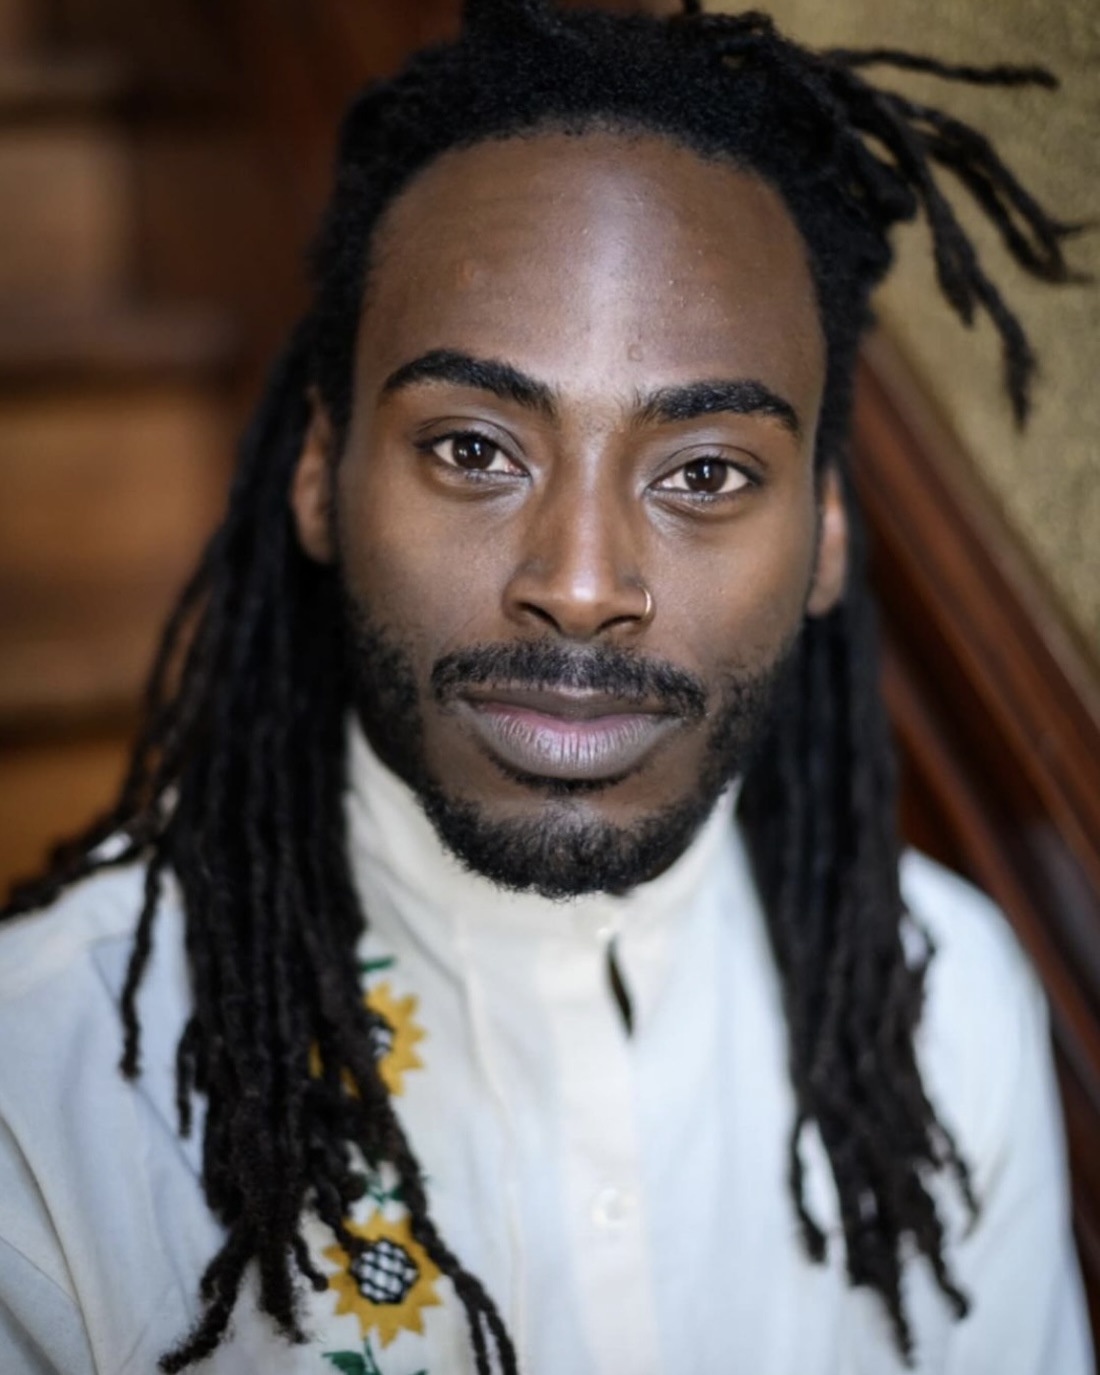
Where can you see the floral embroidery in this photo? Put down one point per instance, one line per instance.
(396, 1037)
(373, 966)
(352, 1363)
(388, 1285)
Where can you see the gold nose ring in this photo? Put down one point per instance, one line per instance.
(647, 614)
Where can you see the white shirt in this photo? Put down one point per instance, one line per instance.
(622, 1197)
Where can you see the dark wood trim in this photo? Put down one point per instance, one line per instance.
(988, 600)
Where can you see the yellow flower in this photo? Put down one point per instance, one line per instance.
(388, 1287)
(394, 1041)
(399, 1044)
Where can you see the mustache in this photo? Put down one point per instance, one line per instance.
(544, 666)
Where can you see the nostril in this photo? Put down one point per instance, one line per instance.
(540, 614)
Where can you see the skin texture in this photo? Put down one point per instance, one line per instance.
(606, 269)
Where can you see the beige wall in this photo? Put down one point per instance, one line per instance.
(1046, 480)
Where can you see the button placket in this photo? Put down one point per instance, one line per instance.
(601, 1164)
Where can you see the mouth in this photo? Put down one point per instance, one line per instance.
(567, 734)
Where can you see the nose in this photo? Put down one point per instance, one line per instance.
(578, 568)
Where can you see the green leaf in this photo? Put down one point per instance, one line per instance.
(376, 966)
(382, 1196)
(349, 1362)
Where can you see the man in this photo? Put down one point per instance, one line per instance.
(493, 1042)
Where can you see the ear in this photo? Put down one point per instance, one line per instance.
(311, 487)
(832, 547)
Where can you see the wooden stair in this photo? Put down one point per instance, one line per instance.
(114, 445)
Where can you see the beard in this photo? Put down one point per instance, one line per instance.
(565, 851)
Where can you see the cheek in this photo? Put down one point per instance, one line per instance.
(415, 571)
(741, 599)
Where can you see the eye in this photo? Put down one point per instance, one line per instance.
(472, 453)
(706, 476)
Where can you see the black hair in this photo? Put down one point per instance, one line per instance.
(237, 781)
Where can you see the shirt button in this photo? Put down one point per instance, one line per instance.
(596, 925)
(612, 1207)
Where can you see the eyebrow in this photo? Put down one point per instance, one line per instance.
(484, 374)
(740, 396)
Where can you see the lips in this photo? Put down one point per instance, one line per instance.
(564, 734)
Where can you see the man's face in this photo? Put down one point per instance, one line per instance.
(575, 509)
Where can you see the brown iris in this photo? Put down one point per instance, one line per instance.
(706, 475)
(471, 452)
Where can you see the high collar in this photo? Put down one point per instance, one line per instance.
(406, 875)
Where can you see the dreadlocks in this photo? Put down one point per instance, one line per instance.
(235, 790)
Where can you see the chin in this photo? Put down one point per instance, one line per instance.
(566, 847)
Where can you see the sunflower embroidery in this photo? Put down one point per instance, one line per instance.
(394, 1035)
(356, 1363)
(389, 1284)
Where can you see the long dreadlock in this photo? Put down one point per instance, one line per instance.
(236, 783)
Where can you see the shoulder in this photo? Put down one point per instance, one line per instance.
(983, 1039)
(47, 945)
(90, 1159)
(977, 969)
(62, 971)
(975, 948)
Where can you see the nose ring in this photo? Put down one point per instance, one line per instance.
(647, 614)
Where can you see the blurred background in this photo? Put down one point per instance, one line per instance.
(1045, 480)
(161, 171)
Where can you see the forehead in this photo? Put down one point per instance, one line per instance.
(580, 256)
